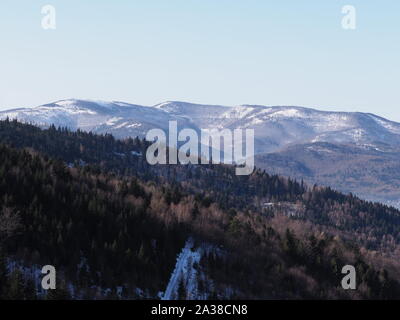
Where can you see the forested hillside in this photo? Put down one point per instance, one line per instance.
(377, 226)
(113, 225)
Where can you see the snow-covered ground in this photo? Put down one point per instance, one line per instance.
(184, 273)
(189, 273)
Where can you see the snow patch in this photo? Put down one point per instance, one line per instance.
(184, 273)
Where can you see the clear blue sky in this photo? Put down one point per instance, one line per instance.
(231, 52)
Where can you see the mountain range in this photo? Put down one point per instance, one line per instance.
(350, 151)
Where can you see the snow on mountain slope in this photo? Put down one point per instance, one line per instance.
(202, 116)
(118, 118)
(275, 127)
(189, 278)
(184, 274)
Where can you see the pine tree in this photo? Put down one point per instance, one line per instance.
(182, 295)
(30, 290)
(3, 275)
(16, 286)
(60, 293)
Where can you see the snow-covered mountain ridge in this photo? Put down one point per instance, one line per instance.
(275, 126)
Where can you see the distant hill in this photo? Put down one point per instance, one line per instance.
(370, 171)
